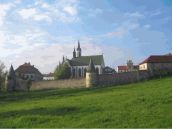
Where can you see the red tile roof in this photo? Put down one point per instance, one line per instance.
(123, 68)
(158, 59)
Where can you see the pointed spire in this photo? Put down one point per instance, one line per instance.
(78, 44)
(74, 53)
(79, 50)
(91, 67)
(11, 73)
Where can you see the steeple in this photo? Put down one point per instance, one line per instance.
(91, 67)
(78, 50)
(74, 53)
(11, 73)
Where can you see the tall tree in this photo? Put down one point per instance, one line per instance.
(62, 71)
(2, 75)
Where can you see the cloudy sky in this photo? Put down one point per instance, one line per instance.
(42, 31)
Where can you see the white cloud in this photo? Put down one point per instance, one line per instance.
(4, 8)
(119, 34)
(34, 14)
(70, 10)
(134, 15)
(27, 13)
(62, 10)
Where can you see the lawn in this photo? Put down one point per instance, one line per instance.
(144, 104)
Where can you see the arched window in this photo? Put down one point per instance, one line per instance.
(79, 72)
(73, 72)
(97, 70)
(85, 70)
(82, 72)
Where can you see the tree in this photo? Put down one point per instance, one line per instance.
(62, 71)
(2, 75)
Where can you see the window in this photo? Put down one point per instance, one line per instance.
(79, 72)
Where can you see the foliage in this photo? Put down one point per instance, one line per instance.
(28, 84)
(62, 71)
(2, 75)
(141, 105)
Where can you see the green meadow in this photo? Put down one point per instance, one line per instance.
(139, 105)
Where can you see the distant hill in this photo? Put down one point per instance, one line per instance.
(144, 104)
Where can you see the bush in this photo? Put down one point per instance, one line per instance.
(28, 84)
(62, 71)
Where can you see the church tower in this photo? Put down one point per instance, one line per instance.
(78, 50)
(74, 53)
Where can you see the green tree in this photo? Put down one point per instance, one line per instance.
(62, 71)
(2, 75)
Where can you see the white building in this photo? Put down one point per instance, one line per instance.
(79, 63)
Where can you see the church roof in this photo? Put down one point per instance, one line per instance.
(85, 60)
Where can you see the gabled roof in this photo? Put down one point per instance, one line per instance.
(26, 68)
(158, 59)
(123, 67)
(84, 60)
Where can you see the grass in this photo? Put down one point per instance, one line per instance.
(140, 105)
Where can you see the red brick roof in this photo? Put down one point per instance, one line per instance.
(27, 68)
(158, 59)
(123, 67)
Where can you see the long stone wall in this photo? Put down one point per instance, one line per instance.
(122, 78)
(102, 80)
(68, 83)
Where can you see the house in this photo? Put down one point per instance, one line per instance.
(157, 63)
(122, 68)
(28, 71)
(127, 68)
(79, 64)
(108, 70)
(48, 77)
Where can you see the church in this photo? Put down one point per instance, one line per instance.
(79, 63)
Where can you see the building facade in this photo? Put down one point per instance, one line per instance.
(79, 63)
(157, 63)
(28, 72)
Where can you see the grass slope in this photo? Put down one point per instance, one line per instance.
(145, 104)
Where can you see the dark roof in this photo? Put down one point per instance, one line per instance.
(84, 60)
(158, 59)
(27, 69)
(91, 67)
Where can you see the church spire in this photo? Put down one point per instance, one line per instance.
(78, 50)
(74, 53)
(79, 45)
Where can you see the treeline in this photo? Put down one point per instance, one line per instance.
(3, 74)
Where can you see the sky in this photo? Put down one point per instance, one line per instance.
(42, 31)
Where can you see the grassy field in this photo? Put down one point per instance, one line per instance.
(145, 104)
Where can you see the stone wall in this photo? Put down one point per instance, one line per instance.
(122, 78)
(102, 80)
(68, 83)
